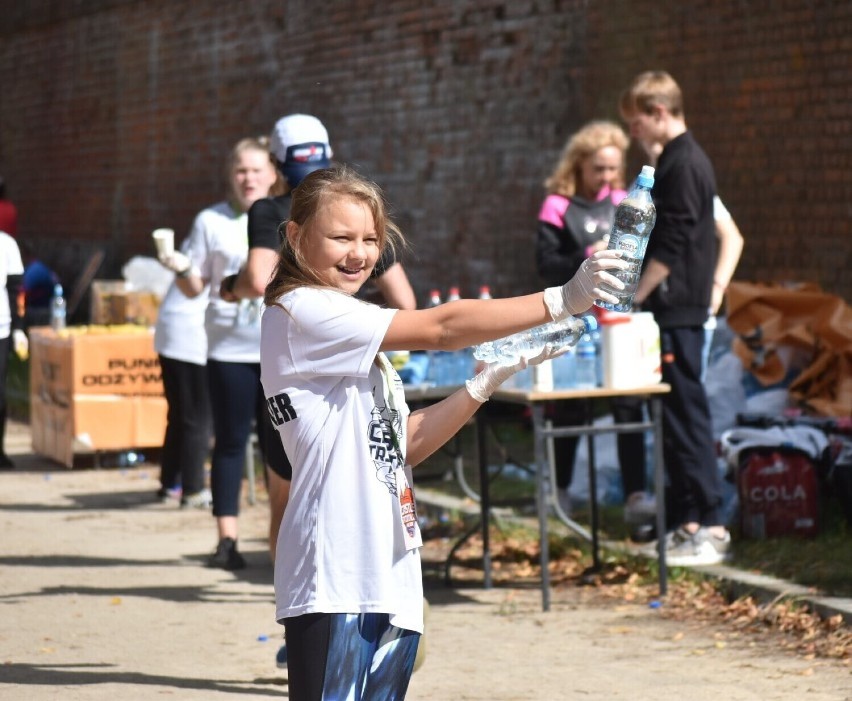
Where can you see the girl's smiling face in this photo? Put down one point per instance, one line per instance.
(340, 244)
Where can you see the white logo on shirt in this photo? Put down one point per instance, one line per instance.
(382, 449)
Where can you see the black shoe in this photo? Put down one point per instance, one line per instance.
(644, 533)
(226, 556)
(6, 463)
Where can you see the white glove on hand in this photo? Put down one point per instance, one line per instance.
(581, 291)
(482, 386)
(176, 261)
(21, 344)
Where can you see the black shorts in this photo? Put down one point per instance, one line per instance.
(273, 452)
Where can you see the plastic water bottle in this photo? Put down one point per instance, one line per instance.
(586, 365)
(434, 371)
(564, 369)
(58, 309)
(455, 362)
(528, 344)
(634, 219)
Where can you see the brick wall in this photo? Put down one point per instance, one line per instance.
(116, 116)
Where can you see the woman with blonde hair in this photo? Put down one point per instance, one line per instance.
(574, 222)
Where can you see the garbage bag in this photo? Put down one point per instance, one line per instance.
(799, 330)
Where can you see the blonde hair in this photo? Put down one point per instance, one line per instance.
(339, 181)
(582, 145)
(253, 143)
(651, 89)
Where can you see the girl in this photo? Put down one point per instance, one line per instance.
(347, 570)
(217, 246)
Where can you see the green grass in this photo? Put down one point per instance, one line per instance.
(824, 562)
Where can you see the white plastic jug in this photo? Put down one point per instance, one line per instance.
(631, 350)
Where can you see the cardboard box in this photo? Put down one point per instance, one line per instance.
(94, 389)
(94, 423)
(91, 360)
(115, 302)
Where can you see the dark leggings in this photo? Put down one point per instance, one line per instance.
(237, 400)
(187, 440)
(360, 657)
(5, 349)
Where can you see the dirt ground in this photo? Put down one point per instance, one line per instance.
(103, 595)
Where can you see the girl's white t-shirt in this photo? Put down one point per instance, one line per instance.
(341, 547)
(218, 247)
(10, 264)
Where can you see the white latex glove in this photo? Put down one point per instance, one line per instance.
(581, 291)
(21, 344)
(482, 386)
(176, 261)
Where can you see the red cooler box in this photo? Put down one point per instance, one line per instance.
(779, 493)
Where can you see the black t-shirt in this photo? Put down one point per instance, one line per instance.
(265, 218)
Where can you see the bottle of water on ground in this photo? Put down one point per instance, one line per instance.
(634, 219)
(528, 344)
(58, 309)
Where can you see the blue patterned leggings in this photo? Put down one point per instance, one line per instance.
(348, 657)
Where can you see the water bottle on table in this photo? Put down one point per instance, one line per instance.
(634, 219)
(434, 370)
(586, 376)
(58, 309)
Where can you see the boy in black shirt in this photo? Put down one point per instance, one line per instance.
(676, 285)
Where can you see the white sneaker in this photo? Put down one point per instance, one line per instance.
(640, 508)
(695, 549)
(199, 500)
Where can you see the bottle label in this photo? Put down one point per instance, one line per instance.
(630, 244)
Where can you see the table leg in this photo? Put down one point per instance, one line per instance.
(484, 498)
(542, 484)
(593, 504)
(660, 490)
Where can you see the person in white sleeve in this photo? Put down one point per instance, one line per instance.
(217, 247)
(347, 569)
(11, 323)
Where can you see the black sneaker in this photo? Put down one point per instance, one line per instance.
(226, 556)
(6, 463)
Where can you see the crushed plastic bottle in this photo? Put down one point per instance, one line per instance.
(528, 344)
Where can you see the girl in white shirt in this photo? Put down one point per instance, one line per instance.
(347, 568)
(217, 246)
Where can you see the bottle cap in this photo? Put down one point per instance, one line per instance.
(646, 177)
(591, 323)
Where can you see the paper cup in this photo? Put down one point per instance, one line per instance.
(164, 240)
